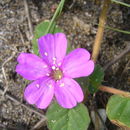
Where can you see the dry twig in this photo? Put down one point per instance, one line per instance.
(4, 73)
(72, 4)
(29, 18)
(21, 35)
(114, 91)
(123, 53)
(39, 124)
(99, 35)
(1, 37)
(23, 105)
(103, 123)
(97, 120)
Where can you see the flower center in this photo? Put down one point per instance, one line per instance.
(57, 74)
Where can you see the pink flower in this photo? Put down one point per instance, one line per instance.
(53, 72)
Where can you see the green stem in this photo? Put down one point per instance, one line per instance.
(57, 13)
(122, 3)
(118, 30)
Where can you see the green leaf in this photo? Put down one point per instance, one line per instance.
(57, 29)
(40, 30)
(67, 119)
(95, 79)
(118, 110)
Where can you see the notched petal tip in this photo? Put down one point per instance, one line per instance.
(31, 67)
(78, 64)
(52, 46)
(47, 36)
(60, 35)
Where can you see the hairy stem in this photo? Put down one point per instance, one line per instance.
(114, 91)
(56, 14)
(99, 35)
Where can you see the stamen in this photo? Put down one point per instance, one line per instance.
(47, 74)
(50, 85)
(57, 68)
(37, 85)
(59, 76)
(59, 64)
(62, 85)
(45, 53)
(53, 67)
(56, 74)
(54, 58)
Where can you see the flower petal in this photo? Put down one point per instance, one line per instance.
(31, 67)
(52, 48)
(77, 64)
(68, 93)
(40, 92)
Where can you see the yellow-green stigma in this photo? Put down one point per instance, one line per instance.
(57, 74)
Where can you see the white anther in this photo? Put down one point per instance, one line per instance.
(62, 85)
(53, 67)
(59, 64)
(59, 76)
(45, 66)
(45, 53)
(50, 85)
(54, 58)
(47, 74)
(37, 85)
(57, 68)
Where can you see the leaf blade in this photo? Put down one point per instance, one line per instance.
(67, 119)
(118, 110)
(95, 79)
